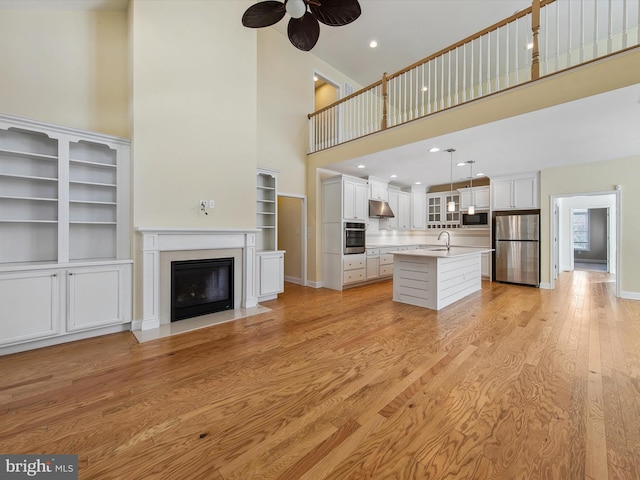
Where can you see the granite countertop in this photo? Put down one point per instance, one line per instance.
(442, 252)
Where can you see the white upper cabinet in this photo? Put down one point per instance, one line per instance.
(400, 203)
(480, 197)
(378, 189)
(513, 193)
(355, 201)
(418, 205)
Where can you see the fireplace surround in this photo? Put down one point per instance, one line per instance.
(186, 244)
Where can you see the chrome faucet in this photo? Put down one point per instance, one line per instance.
(447, 243)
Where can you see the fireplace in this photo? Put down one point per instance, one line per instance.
(199, 287)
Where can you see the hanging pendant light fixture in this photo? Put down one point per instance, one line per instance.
(472, 208)
(451, 204)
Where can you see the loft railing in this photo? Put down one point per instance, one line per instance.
(549, 36)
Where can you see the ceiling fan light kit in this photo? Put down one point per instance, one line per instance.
(304, 27)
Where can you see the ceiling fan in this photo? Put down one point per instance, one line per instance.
(303, 29)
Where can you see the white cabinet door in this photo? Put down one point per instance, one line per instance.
(524, 193)
(355, 200)
(482, 198)
(30, 306)
(485, 264)
(348, 200)
(392, 223)
(404, 211)
(418, 217)
(97, 296)
(466, 199)
(515, 193)
(478, 196)
(270, 274)
(502, 198)
(361, 202)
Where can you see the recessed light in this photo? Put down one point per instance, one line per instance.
(479, 174)
(434, 149)
(373, 44)
(361, 166)
(418, 183)
(461, 164)
(424, 89)
(315, 78)
(394, 176)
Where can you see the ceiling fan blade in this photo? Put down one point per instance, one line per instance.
(263, 14)
(335, 13)
(304, 32)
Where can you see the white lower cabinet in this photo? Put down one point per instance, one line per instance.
(30, 306)
(48, 306)
(97, 297)
(354, 269)
(485, 264)
(373, 257)
(270, 274)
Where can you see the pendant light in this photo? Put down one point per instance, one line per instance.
(472, 208)
(451, 204)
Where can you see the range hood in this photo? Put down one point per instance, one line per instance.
(380, 209)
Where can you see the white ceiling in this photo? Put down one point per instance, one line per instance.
(598, 128)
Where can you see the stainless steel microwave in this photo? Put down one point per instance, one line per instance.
(475, 220)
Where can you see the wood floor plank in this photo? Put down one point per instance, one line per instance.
(510, 382)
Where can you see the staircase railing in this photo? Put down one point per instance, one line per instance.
(549, 36)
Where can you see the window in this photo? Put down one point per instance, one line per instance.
(580, 228)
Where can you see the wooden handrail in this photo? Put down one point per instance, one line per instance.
(537, 4)
(342, 100)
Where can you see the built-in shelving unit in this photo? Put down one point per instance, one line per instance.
(65, 232)
(267, 210)
(270, 261)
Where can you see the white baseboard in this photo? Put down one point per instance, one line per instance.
(545, 285)
(630, 295)
(296, 280)
(314, 284)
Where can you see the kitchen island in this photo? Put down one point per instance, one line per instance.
(438, 276)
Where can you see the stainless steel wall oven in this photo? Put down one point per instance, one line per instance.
(354, 237)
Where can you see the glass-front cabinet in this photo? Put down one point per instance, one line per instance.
(438, 215)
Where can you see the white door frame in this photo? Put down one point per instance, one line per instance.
(555, 229)
(303, 233)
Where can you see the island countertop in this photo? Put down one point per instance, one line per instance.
(443, 252)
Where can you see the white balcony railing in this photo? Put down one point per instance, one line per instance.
(549, 36)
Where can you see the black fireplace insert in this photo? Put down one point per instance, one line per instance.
(199, 287)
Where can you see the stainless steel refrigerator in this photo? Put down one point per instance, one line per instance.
(517, 248)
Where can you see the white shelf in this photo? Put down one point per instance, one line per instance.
(93, 184)
(92, 164)
(35, 156)
(27, 221)
(29, 199)
(29, 177)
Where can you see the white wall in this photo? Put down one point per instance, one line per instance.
(597, 177)
(194, 113)
(285, 98)
(66, 67)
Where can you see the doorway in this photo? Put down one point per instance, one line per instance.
(566, 240)
(292, 238)
(325, 93)
(590, 236)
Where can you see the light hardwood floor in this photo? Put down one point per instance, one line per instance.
(512, 382)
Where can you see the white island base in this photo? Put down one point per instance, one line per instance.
(436, 278)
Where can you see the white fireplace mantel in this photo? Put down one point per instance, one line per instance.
(156, 240)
